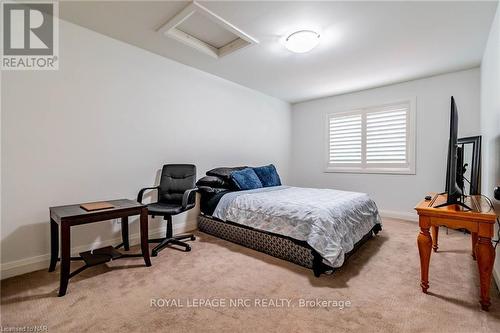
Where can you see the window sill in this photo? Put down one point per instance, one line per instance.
(387, 171)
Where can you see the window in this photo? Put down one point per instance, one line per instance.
(377, 139)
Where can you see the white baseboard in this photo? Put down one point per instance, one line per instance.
(409, 216)
(26, 265)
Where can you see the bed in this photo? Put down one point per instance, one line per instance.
(315, 228)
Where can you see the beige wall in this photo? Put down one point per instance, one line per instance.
(490, 120)
(396, 195)
(102, 126)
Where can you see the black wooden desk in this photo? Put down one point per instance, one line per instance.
(67, 216)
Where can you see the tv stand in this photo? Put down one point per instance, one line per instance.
(480, 222)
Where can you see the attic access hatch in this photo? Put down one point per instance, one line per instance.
(199, 28)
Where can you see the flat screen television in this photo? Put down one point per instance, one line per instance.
(454, 170)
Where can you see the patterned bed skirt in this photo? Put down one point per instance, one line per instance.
(282, 247)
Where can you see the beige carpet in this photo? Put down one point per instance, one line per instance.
(381, 281)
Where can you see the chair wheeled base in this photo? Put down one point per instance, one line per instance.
(170, 239)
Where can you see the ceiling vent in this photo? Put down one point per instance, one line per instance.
(198, 27)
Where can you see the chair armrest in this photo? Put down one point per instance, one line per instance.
(186, 197)
(141, 192)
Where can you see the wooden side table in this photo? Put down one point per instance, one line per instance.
(480, 222)
(64, 217)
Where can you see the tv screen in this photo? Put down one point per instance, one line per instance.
(453, 170)
(453, 191)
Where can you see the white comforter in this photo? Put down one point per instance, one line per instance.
(330, 221)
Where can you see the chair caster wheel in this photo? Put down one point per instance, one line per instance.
(188, 248)
(154, 254)
(193, 238)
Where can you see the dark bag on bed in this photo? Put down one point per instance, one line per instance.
(224, 172)
(211, 190)
(213, 181)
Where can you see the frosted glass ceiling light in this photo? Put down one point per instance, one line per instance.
(302, 41)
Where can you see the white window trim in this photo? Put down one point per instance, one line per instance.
(411, 139)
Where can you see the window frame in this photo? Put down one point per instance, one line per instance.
(411, 136)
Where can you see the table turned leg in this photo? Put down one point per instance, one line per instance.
(144, 236)
(485, 255)
(474, 242)
(435, 232)
(65, 258)
(424, 242)
(126, 244)
(54, 244)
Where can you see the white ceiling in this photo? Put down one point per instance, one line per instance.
(363, 44)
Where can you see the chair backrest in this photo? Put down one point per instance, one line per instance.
(175, 180)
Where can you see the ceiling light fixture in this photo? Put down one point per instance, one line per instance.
(302, 41)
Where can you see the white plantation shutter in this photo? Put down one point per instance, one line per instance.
(345, 137)
(376, 139)
(386, 135)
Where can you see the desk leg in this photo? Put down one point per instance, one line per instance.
(65, 257)
(424, 242)
(485, 255)
(126, 244)
(474, 242)
(435, 232)
(144, 236)
(54, 245)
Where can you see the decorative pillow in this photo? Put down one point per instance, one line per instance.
(213, 181)
(268, 175)
(245, 179)
(224, 172)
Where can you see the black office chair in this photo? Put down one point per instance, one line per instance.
(176, 194)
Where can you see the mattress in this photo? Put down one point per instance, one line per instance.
(275, 245)
(330, 221)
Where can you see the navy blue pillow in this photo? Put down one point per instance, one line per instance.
(268, 175)
(245, 179)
